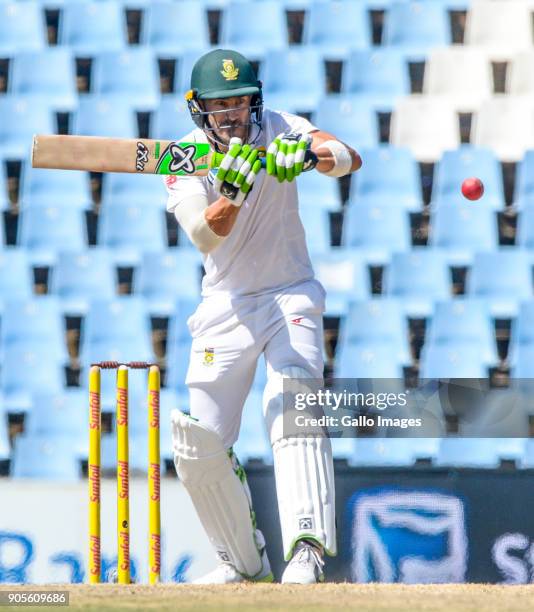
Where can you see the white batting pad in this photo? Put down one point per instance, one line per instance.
(304, 472)
(220, 498)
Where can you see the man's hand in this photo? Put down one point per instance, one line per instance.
(237, 172)
(285, 155)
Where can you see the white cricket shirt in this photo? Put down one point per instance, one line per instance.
(266, 249)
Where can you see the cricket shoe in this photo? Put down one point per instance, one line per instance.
(226, 573)
(306, 565)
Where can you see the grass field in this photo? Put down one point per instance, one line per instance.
(260, 597)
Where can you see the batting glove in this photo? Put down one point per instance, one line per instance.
(237, 172)
(285, 155)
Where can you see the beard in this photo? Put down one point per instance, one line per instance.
(222, 135)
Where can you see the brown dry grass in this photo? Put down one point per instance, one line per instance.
(325, 597)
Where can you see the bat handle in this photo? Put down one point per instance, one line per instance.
(310, 161)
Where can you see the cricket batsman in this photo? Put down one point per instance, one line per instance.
(259, 297)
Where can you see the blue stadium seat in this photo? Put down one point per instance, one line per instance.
(453, 360)
(21, 119)
(457, 165)
(528, 456)
(316, 189)
(316, 224)
(464, 320)
(179, 344)
(524, 184)
(50, 73)
(503, 278)
(130, 229)
(369, 360)
(4, 199)
(523, 362)
(45, 457)
(522, 330)
(253, 441)
(55, 414)
(380, 75)
(185, 61)
(132, 73)
(37, 320)
(345, 277)
(162, 21)
(16, 275)
(336, 27)
(5, 449)
(27, 372)
(415, 27)
(111, 116)
(469, 452)
(43, 187)
(137, 189)
(393, 452)
(121, 317)
(462, 229)
(163, 278)
(45, 230)
(525, 227)
(92, 27)
(418, 278)
(81, 276)
(389, 175)
(265, 27)
(22, 27)
(349, 118)
(378, 230)
(172, 120)
(299, 86)
(375, 321)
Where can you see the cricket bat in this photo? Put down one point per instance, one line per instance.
(138, 155)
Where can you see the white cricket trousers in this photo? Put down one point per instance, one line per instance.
(230, 334)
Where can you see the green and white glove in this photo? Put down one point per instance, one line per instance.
(285, 155)
(237, 172)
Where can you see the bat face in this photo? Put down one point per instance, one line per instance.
(181, 159)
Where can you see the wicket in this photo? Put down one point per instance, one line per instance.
(123, 472)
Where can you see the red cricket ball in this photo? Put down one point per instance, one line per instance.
(473, 188)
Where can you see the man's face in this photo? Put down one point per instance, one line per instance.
(233, 113)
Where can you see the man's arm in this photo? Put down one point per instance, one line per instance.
(326, 156)
(221, 216)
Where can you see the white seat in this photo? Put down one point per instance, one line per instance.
(505, 125)
(461, 73)
(503, 26)
(520, 74)
(426, 125)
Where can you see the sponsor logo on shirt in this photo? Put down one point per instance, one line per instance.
(209, 356)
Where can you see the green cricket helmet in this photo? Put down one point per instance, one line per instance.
(223, 73)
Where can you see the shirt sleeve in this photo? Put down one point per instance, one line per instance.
(180, 188)
(289, 122)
